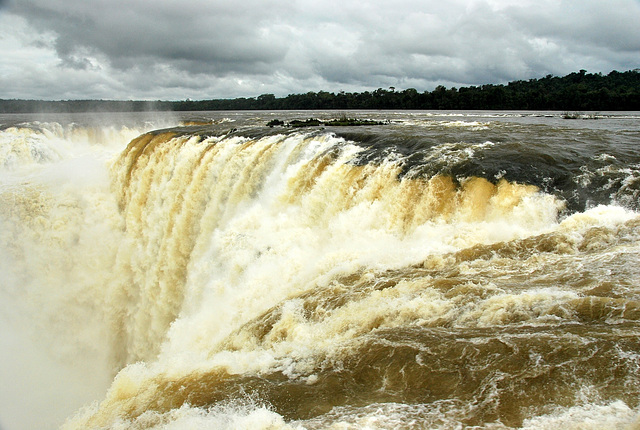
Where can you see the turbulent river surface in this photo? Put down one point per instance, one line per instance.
(441, 270)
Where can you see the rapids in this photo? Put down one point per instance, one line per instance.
(443, 270)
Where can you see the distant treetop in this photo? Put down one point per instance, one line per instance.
(577, 91)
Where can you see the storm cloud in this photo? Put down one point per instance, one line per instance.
(170, 49)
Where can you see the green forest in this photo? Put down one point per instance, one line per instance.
(578, 91)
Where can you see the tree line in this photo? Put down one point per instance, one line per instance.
(578, 91)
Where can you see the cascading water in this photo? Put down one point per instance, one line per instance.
(427, 273)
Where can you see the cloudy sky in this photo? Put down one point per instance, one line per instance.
(201, 49)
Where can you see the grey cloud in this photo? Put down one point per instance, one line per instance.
(603, 34)
(482, 43)
(192, 34)
(614, 25)
(208, 48)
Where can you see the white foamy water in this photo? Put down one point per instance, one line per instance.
(206, 280)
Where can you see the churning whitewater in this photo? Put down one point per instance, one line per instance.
(437, 270)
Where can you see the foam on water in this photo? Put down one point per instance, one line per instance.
(59, 233)
(280, 282)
